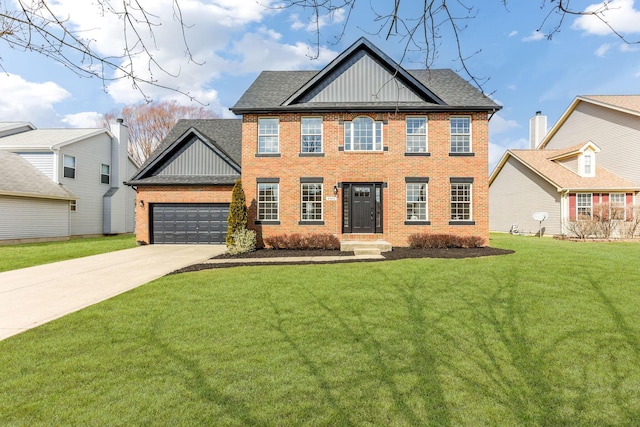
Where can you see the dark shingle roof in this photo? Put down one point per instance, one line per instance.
(272, 88)
(225, 133)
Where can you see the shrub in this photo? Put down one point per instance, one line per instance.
(237, 219)
(444, 241)
(299, 241)
(244, 241)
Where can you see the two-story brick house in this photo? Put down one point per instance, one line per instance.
(365, 150)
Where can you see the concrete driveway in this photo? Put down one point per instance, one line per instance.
(32, 296)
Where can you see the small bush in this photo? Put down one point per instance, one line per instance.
(300, 242)
(244, 241)
(444, 241)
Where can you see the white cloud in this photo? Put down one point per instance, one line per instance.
(535, 36)
(620, 15)
(29, 101)
(499, 125)
(624, 47)
(513, 33)
(316, 23)
(87, 119)
(602, 50)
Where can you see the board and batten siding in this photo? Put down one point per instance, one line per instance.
(349, 86)
(196, 158)
(33, 218)
(90, 154)
(516, 193)
(43, 161)
(616, 133)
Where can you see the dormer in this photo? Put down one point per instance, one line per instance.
(579, 159)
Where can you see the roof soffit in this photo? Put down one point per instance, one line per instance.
(354, 55)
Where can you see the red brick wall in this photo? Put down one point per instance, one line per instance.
(390, 166)
(174, 194)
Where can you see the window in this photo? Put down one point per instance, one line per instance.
(268, 197)
(105, 174)
(69, 163)
(363, 134)
(416, 201)
(460, 201)
(311, 202)
(460, 134)
(588, 164)
(73, 205)
(268, 138)
(416, 134)
(583, 205)
(617, 202)
(311, 129)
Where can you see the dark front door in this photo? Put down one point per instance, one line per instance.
(362, 208)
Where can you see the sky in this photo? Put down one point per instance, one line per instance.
(508, 49)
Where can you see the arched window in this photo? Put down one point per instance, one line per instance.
(363, 134)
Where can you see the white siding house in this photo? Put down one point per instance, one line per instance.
(91, 164)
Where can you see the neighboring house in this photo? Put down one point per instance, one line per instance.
(589, 158)
(184, 188)
(90, 165)
(32, 206)
(362, 149)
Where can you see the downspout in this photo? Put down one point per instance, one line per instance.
(563, 210)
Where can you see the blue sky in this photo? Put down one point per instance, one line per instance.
(236, 39)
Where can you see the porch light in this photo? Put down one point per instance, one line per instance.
(335, 190)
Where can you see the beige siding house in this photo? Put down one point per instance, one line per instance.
(588, 159)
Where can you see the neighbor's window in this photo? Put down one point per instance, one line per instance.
(416, 134)
(588, 167)
(460, 134)
(73, 205)
(311, 140)
(617, 202)
(268, 201)
(416, 201)
(69, 163)
(105, 174)
(268, 137)
(363, 134)
(583, 205)
(460, 201)
(311, 206)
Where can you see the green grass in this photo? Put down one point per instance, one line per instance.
(549, 335)
(27, 255)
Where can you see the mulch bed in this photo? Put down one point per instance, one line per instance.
(395, 254)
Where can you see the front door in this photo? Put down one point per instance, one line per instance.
(362, 208)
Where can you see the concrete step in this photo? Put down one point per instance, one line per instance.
(353, 245)
(366, 251)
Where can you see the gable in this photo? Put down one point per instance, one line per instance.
(361, 78)
(196, 158)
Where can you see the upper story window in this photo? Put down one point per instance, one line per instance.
(268, 136)
(311, 135)
(105, 174)
(416, 134)
(363, 134)
(69, 164)
(460, 129)
(588, 164)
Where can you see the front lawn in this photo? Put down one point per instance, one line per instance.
(549, 335)
(27, 255)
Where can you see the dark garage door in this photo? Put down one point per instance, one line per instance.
(189, 222)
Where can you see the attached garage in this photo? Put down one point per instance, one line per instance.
(180, 223)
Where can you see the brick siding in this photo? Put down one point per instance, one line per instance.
(390, 166)
(173, 194)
